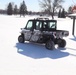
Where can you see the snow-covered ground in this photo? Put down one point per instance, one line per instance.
(34, 59)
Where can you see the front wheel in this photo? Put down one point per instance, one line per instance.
(21, 39)
(49, 45)
(61, 43)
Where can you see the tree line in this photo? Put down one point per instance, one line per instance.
(49, 7)
(14, 9)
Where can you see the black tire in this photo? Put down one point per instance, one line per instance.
(21, 39)
(50, 45)
(61, 43)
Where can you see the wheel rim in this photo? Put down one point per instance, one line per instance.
(62, 43)
(50, 45)
(20, 39)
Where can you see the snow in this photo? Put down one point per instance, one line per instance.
(34, 59)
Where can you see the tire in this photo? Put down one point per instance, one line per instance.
(49, 45)
(61, 43)
(21, 39)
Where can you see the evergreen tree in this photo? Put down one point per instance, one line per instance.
(23, 8)
(63, 13)
(10, 9)
(70, 10)
(15, 10)
(59, 14)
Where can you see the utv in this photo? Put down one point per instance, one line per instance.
(43, 31)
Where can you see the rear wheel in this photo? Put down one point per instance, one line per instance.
(21, 39)
(49, 45)
(61, 43)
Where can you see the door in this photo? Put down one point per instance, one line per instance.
(28, 30)
(37, 31)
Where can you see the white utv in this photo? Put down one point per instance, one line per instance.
(43, 31)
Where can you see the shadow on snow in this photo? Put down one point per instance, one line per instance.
(38, 51)
(74, 38)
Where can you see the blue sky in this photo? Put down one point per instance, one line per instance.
(32, 4)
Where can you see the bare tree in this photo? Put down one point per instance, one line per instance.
(51, 5)
(45, 5)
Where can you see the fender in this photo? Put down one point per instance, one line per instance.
(22, 34)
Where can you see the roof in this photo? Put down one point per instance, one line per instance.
(43, 19)
(73, 15)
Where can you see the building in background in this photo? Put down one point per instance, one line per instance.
(74, 9)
